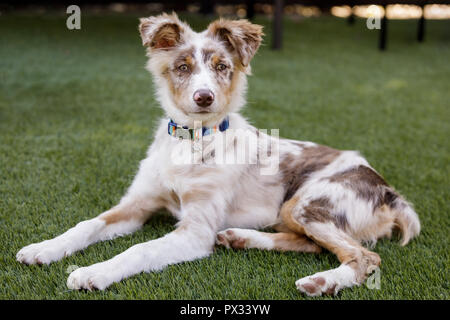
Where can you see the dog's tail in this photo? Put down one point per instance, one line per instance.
(406, 220)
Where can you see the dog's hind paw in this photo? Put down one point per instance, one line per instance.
(230, 238)
(315, 286)
(328, 282)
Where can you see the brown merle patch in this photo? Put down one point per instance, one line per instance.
(297, 169)
(321, 210)
(207, 54)
(368, 185)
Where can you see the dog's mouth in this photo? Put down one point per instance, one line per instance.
(202, 115)
(202, 111)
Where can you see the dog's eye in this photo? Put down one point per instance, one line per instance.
(183, 67)
(221, 67)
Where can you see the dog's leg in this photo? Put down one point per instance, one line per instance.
(193, 239)
(128, 216)
(356, 261)
(316, 222)
(282, 241)
(118, 221)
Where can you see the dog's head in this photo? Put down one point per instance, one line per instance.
(199, 76)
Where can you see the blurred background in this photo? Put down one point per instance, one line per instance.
(271, 9)
(400, 9)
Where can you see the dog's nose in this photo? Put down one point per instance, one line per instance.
(203, 97)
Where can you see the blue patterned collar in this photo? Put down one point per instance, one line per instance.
(184, 132)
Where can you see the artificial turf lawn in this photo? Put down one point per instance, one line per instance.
(77, 114)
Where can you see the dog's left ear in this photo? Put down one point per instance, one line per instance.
(240, 37)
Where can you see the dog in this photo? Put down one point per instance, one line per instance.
(318, 198)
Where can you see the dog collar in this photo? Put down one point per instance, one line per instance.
(183, 132)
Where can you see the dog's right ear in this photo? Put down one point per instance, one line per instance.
(162, 32)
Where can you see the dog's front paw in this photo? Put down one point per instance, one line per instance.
(90, 278)
(43, 252)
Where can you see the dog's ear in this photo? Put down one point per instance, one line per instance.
(240, 37)
(162, 32)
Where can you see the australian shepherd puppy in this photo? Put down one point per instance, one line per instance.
(222, 190)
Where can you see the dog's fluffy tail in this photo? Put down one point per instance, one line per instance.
(406, 220)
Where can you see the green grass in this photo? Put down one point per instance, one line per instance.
(77, 114)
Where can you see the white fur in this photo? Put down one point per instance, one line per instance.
(74, 239)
